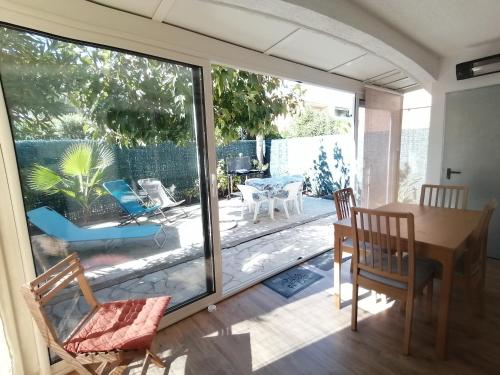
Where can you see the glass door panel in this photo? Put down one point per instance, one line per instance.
(112, 158)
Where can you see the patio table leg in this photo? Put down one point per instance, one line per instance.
(337, 276)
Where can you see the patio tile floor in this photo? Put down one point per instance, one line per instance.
(301, 236)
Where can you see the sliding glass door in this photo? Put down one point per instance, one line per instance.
(112, 157)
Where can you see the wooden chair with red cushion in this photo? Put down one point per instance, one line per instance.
(110, 336)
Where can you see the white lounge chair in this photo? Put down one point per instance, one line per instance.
(290, 193)
(253, 198)
(159, 194)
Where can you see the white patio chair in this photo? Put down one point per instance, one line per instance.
(253, 199)
(159, 194)
(290, 193)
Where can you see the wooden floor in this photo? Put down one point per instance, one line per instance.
(260, 332)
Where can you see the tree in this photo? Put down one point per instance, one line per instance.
(310, 123)
(132, 100)
(36, 73)
(82, 169)
(249, 103)
(127, 99)
(121, 98)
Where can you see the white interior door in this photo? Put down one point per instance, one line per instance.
(472, 132)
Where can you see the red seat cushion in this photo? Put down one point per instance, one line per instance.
(120, 325)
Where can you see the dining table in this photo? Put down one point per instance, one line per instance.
(441, 234)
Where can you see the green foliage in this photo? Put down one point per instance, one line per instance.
(36, 72)
(310, 123)
(81, 172)
(247, 104)
(121, 98)
(126, 99)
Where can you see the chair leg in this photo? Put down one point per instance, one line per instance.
(156, 360)
(408, 323)
(354, 311)
(286, 209)
(256, 212)
(429, 295)
(151, 357)
(271, 208)
(297, 205)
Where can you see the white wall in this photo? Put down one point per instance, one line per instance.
(447, 82)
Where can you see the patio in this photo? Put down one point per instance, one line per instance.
(249, 251)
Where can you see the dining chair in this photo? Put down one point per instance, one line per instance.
(344, 200)
(445, 196)
(109, 337)
(384, 260)
(470, 270)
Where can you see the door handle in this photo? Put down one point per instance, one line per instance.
(449, 172)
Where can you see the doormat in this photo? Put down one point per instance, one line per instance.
(292, 281)
(324, 262)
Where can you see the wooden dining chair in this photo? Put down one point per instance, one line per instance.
(384, 260)
(344, 200)
(445, 196)
(470, 270)
(109, 337)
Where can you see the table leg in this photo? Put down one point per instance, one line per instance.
(337, 275)
(444, 307)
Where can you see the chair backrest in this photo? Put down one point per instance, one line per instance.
(476, 255)
(44, 288)
(238, 163)
(156, 191)
(293, 188)
(384, 244)
(248, 192)
(445, 196)
(51, 222)
(125, 196)
(344, 200)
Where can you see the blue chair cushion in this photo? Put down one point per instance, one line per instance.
(424, 269)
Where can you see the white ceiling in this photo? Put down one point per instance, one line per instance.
(272, 36)
(448, 27)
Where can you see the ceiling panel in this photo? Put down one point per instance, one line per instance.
(251, 30)
(365, 67)
(405, 82)
(389, 78)
(316, 49)
(143, 7)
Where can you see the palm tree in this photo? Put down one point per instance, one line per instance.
(81, 168)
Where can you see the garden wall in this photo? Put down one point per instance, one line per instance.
(321, 159)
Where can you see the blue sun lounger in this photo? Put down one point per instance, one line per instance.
(56, 225)
(130, 202)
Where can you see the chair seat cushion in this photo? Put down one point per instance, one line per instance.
(424, 271)
(120, 325)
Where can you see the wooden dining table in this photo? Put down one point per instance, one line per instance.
(441, 234)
